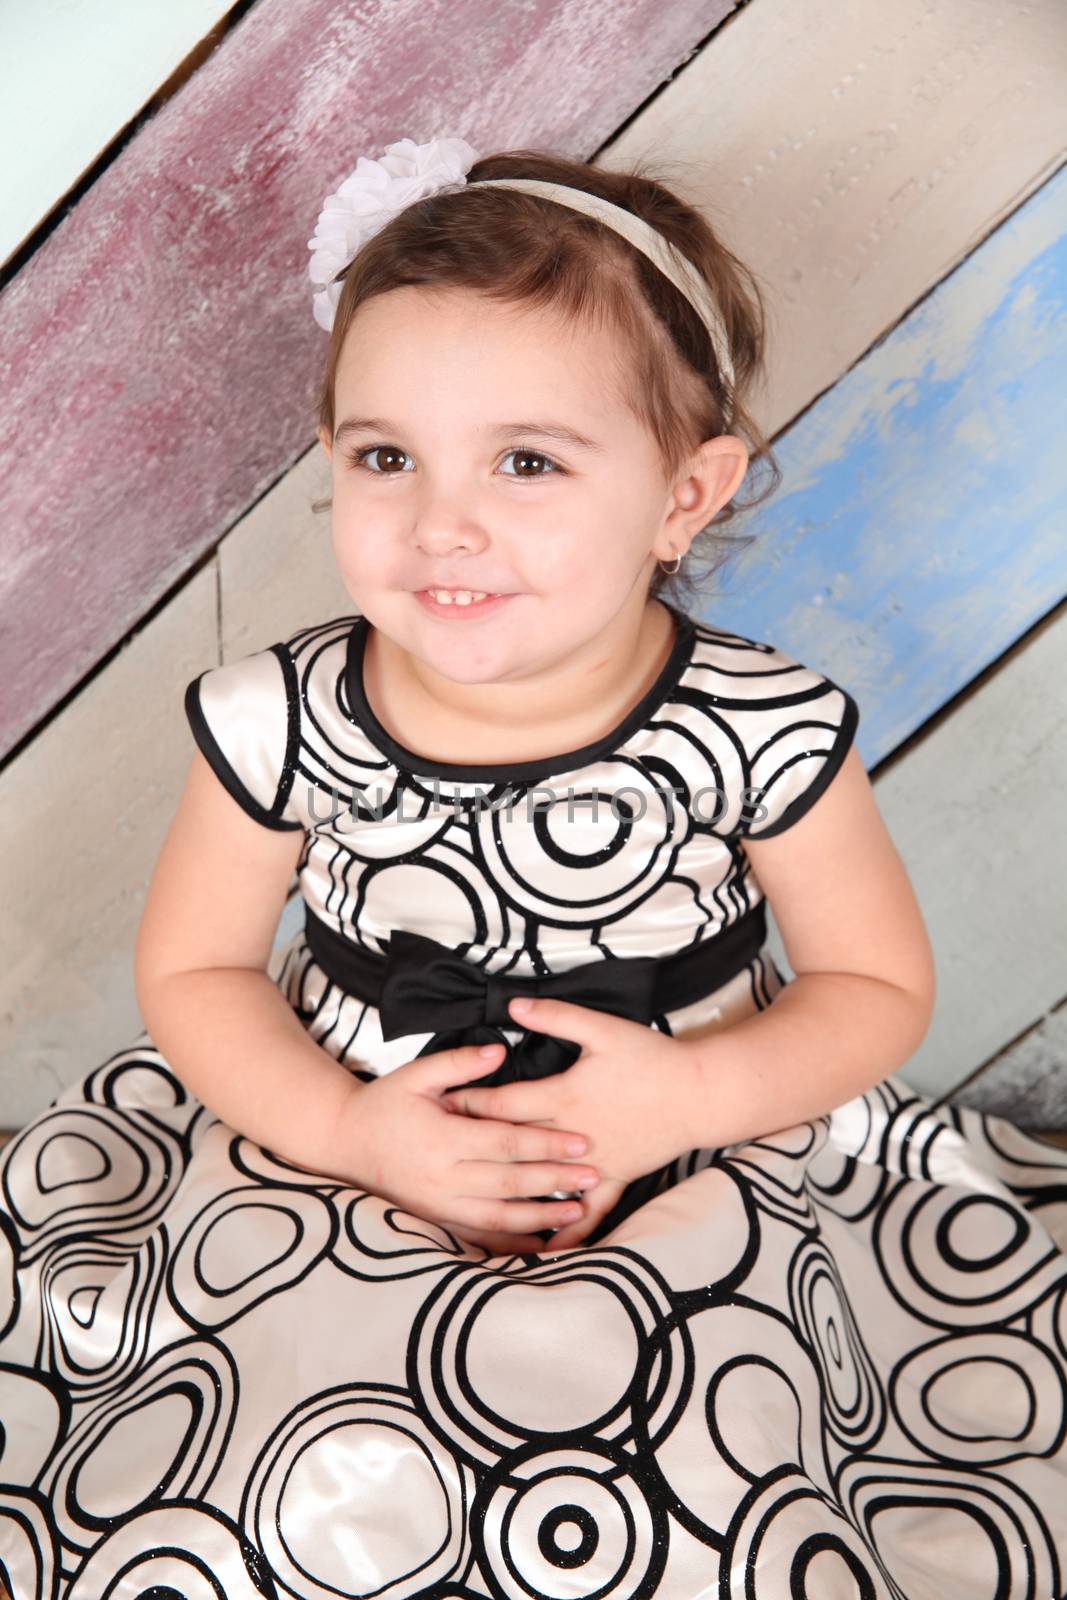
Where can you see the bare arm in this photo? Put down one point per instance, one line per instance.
(205, 997)
(864, 992)
(237, 1045)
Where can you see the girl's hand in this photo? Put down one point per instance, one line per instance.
(400, 1136)
(632, 1091)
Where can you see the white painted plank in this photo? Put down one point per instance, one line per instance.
(277, 568)
(83, 813)
(853, 153)
(73, 73)
(976, 812)
(75, 893)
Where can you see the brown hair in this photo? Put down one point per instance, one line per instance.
(522, 249)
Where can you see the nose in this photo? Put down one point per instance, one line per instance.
(443, 520)
(439, 533)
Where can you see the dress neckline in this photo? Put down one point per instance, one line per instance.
(672, 670)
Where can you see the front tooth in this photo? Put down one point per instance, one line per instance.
(462, 597)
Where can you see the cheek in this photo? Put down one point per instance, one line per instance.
(566, 544)
(615, 525)
(345, 550)
(603, 562)
(358, 548)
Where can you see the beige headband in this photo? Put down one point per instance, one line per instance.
(406, 172)
(670, 260)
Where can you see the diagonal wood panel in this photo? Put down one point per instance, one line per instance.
(270, 570)
(975, 810)
(977, 814)
(920, 529)
(160, 358)
(84, 812)
(1027, 1082)
(854, 153)
(101, 64)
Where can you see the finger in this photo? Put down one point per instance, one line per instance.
(597, 1205)
(528, 1100)
(520, 1141)
(501, 1244)
(462, 1062)
(515, 1216)
(523, 1179)
(582, 1025)
(574, 1234)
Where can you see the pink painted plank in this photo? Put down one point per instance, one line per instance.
(159, 356)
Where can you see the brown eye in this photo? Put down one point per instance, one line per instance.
(390, 452)
(525, 455)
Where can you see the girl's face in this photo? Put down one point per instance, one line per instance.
(463, 482)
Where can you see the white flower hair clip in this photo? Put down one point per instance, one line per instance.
(372, 196)
(377, 190)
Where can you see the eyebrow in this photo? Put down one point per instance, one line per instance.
(544, 430)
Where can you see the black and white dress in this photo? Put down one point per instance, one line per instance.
(828, 1364)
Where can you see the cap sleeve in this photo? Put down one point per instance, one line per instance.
(244, 717)
(796, 726)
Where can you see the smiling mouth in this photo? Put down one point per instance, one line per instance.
(459, 607)
(453, 594)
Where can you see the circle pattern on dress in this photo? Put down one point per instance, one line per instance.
(244, 1246)
(852, 1394)
(828, 1363)
(81, 1169)
(594, 1314)
(161, 1436)
(579, 1515)
(174, 1552)
(329, 1499)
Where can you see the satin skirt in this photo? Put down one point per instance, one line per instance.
(829, 1364)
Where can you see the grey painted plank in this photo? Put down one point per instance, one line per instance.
(975, 809)
(1027, 1082)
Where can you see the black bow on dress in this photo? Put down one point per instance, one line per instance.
(427, 986)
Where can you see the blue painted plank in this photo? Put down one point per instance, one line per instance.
(922, 523)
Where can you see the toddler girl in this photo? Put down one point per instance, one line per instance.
(528, 1234)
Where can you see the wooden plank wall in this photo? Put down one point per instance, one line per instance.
(102, 63)
(159, 365)
(892, 174)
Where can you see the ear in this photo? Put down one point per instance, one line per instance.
(727, 465)
(712, 476)
(325, 441)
